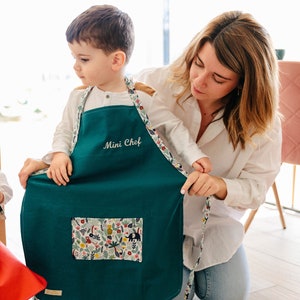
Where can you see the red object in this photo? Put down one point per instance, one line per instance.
(17, 282)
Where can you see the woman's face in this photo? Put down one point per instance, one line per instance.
(210, 80)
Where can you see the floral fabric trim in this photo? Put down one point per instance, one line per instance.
(80, 109)
(107, 238)
(152, 132)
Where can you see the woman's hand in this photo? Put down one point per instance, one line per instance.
(203, 184)
(30, 166)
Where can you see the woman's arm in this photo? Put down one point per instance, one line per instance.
(30, 166)
(247, 181)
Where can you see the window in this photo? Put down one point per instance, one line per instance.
(36, 59)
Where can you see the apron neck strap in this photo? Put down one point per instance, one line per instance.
(152, 132)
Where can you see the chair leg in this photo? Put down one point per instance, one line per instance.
(250, 219)
(293, 187)
(278, 204)
(2, 232)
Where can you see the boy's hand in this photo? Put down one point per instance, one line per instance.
(202, 165)
(60, 168)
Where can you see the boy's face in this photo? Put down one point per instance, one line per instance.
(92, 65)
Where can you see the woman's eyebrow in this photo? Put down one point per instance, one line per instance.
(221, 76)
(217, 74)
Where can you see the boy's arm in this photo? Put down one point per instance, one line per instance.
(63, 134)
(61, 140)
(174, 131)
(203, 165)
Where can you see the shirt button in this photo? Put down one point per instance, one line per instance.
(107, 96)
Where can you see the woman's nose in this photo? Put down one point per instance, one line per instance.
(201, 79)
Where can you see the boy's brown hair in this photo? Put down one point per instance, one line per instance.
(104, 27)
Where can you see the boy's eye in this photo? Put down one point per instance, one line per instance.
(84, 59)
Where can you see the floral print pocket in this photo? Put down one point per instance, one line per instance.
(107, 238)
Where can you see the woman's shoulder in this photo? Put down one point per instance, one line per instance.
(144, 88)
(273, 132)
(153, 76)
(276, 128)
(145, 93)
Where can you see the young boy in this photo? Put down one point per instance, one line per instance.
(101, 40)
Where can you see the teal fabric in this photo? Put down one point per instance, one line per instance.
(119, 172)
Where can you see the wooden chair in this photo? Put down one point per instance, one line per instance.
(2, 223)
(290, 108)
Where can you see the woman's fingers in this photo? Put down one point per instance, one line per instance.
(200, 184)
(191, 179)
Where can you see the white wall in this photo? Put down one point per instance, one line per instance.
(281, 19)
(35, 58)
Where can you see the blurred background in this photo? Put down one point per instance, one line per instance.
(36, 63)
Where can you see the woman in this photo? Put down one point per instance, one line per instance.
(224, 88)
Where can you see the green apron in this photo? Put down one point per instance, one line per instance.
(116, 230)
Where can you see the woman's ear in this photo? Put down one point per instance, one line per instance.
(118, 60)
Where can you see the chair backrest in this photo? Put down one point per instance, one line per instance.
(290, 108)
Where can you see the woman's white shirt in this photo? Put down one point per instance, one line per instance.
(248, 174)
